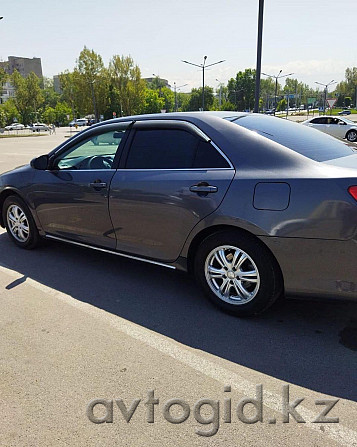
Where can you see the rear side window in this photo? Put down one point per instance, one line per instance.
(172, 149)
(302, 139)
(319, 121)
(208, 157)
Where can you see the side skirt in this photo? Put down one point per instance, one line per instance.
(80, 244)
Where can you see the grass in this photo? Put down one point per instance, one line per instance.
(21, 135)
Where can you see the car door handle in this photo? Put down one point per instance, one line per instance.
(98, 184)
(203, 188)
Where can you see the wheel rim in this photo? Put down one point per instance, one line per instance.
(232, 275)
(352, 136)
(18, 223)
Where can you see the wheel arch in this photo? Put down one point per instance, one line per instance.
(203, 234)
(3, 196)
(350, 130)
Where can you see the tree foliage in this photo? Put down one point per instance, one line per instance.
(241, 89)
(28, 96)
(127, 85)
(195, 99)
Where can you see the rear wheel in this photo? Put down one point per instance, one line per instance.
(19, 223)
(352, 135)
(238, 273)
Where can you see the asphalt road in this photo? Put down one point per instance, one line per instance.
(78, 325)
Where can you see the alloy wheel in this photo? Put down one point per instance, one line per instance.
(232, 274)
(18, 223)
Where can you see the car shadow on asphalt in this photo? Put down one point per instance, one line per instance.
(307, 343)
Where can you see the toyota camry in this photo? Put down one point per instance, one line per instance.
(255, 207)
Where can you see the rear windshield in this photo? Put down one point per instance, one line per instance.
(309, 142)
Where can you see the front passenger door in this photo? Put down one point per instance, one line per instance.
(71, 198)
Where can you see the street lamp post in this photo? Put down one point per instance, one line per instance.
(325, 91)
(203, 66)
(175, 90)
(276, 77)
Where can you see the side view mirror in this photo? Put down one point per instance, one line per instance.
(40, 162)
(341, 123)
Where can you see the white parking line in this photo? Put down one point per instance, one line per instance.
(337, 432)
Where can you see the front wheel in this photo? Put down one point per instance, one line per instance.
(352, 136)
(19, 223)
(238, 273)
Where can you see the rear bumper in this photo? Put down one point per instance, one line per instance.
(317, 267)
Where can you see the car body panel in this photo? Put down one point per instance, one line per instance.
(138, 200)
(68, 206)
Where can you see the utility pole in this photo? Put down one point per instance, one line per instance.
(259, 56)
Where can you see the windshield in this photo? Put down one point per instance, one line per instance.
(348, 121)
(306, 141)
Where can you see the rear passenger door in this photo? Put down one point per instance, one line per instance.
(172, 177)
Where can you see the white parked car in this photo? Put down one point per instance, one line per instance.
(15, 126)
(38, 127)
(79, 122)
(337, 127)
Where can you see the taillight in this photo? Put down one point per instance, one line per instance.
(353, 191)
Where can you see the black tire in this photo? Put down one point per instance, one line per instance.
(351, 135)
(254, 257)
(31, 237)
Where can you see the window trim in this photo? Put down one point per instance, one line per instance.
(165, 125)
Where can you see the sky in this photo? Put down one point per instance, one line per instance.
(314, 39)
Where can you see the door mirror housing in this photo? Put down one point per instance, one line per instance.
(40, 163)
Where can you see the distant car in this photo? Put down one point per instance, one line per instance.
(38, 127)
(345, 112)
(79, 122)
(337, 127)
(15, 126)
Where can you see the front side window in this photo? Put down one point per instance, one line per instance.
(172, 149)
(95, 152)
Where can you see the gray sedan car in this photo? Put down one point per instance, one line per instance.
(254, 206)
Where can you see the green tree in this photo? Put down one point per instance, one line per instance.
(348, 87)
(28, 96)
(3, 77)
(127, 85)
(300, 90)
(91, 81)
(10, 111)
(49, 115)
(241, 89)
(62, 112)
(51, 97)
(169, 99)
(182, 101)
(282, 104)
(267, 92)
(153, 102)
(195, 99)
